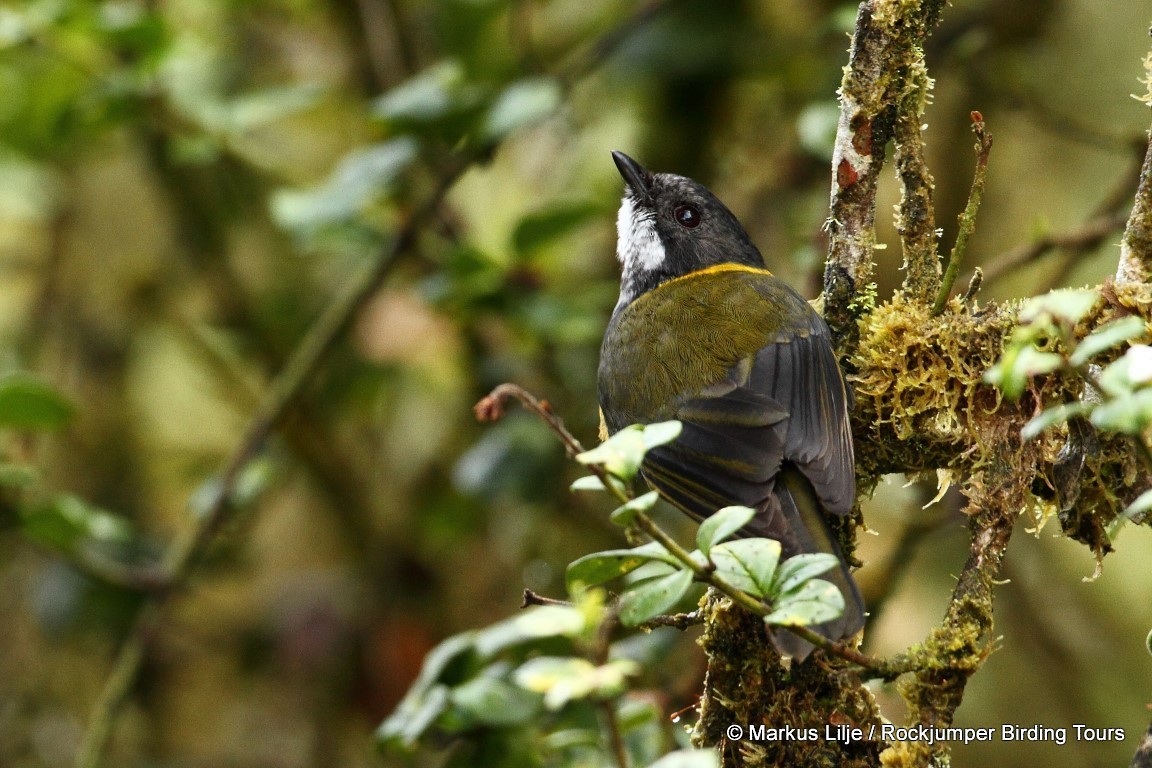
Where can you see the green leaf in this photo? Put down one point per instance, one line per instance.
(1057, 414)
(625, 515)
(413, 717)
(1105, 337)
(1128, 413)
(495, 702)
(66, 520)
(620, 455)
(650, 570)
(539, 229)
(258, 108)
(1069, 304)
(28, 402)
(689, 758)
(815, 601)
(599, 567)
(796, 570)
(435, 97)
(534, 623)
(1115, 379)
(562, 679)
(428, 696)
(660, 433)
(653, 597)
(1017, 365)
(521, 104)
(747, 564)
(361, 178)
(721, 525)
(587, 483)
(1139, 359)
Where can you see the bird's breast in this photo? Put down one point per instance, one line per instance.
(689, 334)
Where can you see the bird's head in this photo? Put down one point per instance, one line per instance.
(669, 226)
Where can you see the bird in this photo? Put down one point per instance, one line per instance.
(703, 333)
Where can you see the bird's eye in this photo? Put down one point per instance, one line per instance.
(687, 216)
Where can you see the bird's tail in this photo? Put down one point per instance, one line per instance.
(810, 533)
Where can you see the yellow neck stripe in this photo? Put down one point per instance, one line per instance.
(717, 269)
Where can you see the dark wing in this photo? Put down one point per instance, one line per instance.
(785, 406)
(774, 436)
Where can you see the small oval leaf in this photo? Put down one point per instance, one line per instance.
(1105, 337)
(1057, 414)
(29, 402)
(799, 569)
(747, 564)
(1070, 304)
(587, 483)
(495, 702)
(620, 455)
(661, 433)
(599, 567)
(722, 525)
(816, 601)
(652, 598)
(625, 515)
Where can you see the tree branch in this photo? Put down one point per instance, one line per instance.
(968, 217)
(1136, 247)
(886, 49)
(916, 214)
(959, 646)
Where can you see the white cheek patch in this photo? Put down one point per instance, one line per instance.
(637, 244)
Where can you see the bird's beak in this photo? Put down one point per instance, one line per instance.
(635, 175)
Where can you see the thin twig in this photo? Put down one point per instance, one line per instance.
(532, 598)
(968, 217)
(679, 621)
(916, 212)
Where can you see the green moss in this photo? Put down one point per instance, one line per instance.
(748, 684)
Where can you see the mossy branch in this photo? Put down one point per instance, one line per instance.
(884, 61)
(1136, 248)
(916, 213)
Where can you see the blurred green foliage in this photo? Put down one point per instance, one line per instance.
(186, 184)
